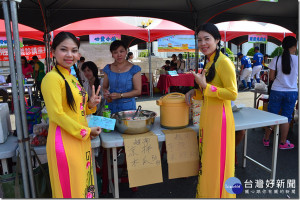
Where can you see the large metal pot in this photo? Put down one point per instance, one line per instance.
(142, 122)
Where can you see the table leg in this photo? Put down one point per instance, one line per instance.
(116, 179)
(245, 149)
(95, 174)
(30, 95)
(268, 76)
(110, 185)
(4, 166)
(255, 96)
(275, 150)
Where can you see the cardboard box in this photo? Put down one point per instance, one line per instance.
(196, 110)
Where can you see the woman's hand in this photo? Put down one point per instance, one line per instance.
(188, 96)
(95, 131)
(106, 94)
(200, 79)
(95, 98)
(115, 95)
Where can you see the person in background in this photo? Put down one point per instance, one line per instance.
(174, 62)
(3, 92)
(81, 61)
(129, 57)
(27, 69)
(246, 70)
(122, 80)
(68, 146)
(90, 71)
(38, 74)
(201, 63)
(257, 65)
(223, 51)
(265, 61)
(217, 88)
(180, 64)
(167, 65)
(81, 74)
(284, 91)
(31, 62)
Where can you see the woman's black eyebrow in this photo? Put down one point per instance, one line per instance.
(67, 47)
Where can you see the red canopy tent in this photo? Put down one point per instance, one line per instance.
(234, 29)
(104, 25)
(24, 31)
(161, 28)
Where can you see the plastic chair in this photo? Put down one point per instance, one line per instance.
(264, 78)
(145, 86)
(263, 99)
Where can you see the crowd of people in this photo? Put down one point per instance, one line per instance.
(251, 71)
(177, 64)
(33, 69)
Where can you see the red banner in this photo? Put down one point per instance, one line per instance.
(27, 51)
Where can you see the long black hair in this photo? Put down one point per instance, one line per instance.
(128, 55)
(287, 43)
(214, 31)
(59, 38)
(93, 67)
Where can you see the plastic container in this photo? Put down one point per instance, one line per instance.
(106, 113)
(174, 112)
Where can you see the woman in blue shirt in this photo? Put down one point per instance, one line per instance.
(122, 80)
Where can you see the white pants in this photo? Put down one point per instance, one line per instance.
(246, 74)
(256, 71)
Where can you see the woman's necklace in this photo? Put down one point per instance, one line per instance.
(118, 69)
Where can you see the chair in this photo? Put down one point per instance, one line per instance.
(264, 78)
(263, 99)
(145, 85)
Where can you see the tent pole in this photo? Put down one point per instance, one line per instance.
(13, 8)
(298, 47)
(196, 53)
(150, 68)
(47, 48)
(46, 51)
(188, 61)
(15, 96)
(225, 42)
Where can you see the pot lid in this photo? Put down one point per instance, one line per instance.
(173, 98)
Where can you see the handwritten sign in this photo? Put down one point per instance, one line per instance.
(173, 73)
(103, 122)
(143, 159)
(182, 152)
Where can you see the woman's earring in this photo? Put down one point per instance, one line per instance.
(54, 61)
